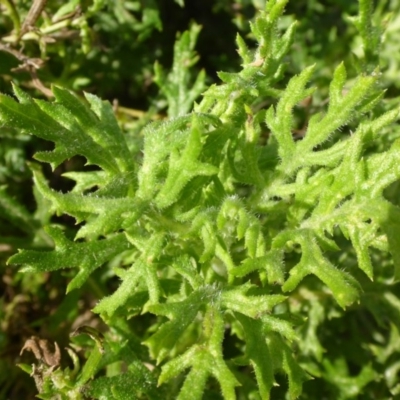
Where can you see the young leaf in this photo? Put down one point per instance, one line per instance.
(86, 256)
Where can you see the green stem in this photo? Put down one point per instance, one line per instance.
(13, 14)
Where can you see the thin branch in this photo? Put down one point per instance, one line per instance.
(31, 65)
(33, 15)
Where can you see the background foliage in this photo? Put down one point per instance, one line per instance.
(299, 248)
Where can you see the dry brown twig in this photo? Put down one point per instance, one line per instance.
(31, 65)
(32, 16)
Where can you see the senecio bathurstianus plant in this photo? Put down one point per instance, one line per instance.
(229, 224)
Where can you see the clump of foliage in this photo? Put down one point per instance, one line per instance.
(245, 247)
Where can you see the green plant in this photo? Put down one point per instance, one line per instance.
(238, 238)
